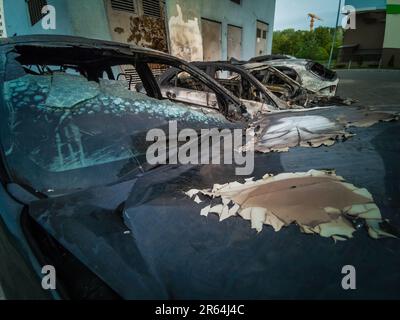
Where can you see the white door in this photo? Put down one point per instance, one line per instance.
(211, 34)
(234, 42)
(261, 38)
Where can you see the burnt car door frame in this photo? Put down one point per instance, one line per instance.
(212, 67)
(206, 67)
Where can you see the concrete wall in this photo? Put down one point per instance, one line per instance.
(392, 37)
(377, 27)
(3, 31)
(368, 35)
(391, 45)
(85, 18)
(88, 19)
(137, 28)
(184, 21)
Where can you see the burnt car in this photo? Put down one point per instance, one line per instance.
(77, 193)
(309, 74)
(264, 88)
(70, 122)
(252, 93)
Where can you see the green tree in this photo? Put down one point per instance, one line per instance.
(314, 45)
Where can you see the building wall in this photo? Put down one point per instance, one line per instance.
(369, 32)
(139, 28)
(362, 5)
(3, 32)
(391, 45)
(392, 37)
(89, 19)
(184, 21)
(94, 19)
(377, 27)
(85, 18)
(18, 21)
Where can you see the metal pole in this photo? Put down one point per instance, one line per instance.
(334, 34)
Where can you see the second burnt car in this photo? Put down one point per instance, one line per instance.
(311, 75)
(259, 86)
(181, 86)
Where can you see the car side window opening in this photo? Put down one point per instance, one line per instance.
(239, 86)
(184, 87)
(231, 81)
(183, 79)
(275, 82)
(321, 71)
(291, 73)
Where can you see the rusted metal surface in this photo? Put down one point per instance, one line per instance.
(148, 32)
(138, 28)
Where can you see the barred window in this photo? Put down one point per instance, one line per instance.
(35, 10)
(152, 8)
(123, 5)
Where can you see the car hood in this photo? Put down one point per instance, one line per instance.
(146, 239)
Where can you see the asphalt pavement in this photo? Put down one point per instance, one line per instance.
(370, 86)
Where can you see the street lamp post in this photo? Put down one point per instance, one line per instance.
(334, 34)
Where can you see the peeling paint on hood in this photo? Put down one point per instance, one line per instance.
(319, 202)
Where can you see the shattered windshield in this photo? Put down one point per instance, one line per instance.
(62, 132)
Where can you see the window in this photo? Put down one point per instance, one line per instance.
(237, 1)
(152, 8)
(320, 71)
(230, 80)
(123, 5)
(129, 73)
(35, 10)
(184, 80)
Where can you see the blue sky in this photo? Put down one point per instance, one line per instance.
(293, 13)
